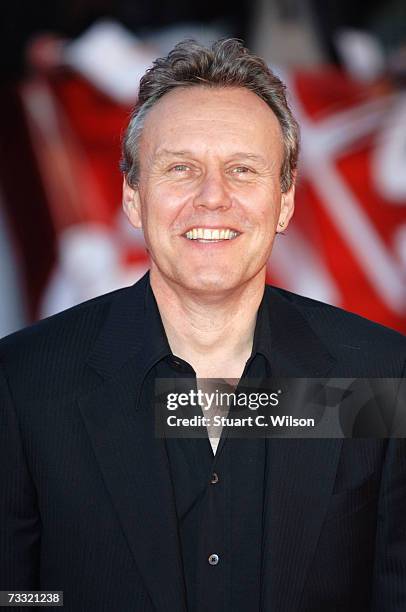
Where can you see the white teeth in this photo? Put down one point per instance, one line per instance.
(200, 233)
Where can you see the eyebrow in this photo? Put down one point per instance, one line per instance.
(185, 152)
(252, 156)
(171, 153)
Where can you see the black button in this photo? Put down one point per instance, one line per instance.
(214, 478)
(214, 559)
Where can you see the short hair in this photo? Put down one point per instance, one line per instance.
(227, 63)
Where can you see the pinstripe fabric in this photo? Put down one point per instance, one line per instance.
(86, 504)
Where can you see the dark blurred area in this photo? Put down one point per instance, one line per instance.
(385, 20)
(69, 73)
(24, 20)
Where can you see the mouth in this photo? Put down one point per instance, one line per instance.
(204, 234)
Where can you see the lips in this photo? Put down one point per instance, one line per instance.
(209, 234)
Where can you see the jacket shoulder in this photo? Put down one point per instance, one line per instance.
(59, 343)
(346, 332)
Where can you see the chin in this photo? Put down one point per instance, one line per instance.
(209, 282)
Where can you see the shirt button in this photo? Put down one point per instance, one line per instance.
(213, 559)
(214, 478)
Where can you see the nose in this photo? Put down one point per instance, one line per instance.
(213, 193)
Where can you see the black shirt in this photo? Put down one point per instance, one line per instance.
(219, 498)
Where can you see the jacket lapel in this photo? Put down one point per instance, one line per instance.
(300, 473)
(132, 460)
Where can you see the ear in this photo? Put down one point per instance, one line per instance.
(132, 204)
(287, 208)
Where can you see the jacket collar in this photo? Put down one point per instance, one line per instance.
(294, 348)
(123, 334)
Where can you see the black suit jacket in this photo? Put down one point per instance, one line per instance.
(86, 503)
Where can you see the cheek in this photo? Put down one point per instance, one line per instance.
(264, 203)
(159, 220)
(267, 218)
(152, 208)
(163, 202)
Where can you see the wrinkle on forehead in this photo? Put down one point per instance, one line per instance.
(236, 115)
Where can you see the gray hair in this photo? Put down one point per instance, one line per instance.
(227, 63)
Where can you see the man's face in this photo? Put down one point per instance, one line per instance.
(209, 197)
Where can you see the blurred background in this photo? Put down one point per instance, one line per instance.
(69, 74)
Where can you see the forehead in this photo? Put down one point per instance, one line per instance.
(214, 118)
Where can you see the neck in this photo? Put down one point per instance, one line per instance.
(214, 333)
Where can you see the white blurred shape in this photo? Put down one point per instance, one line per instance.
(89, 265)
(361, 54)
(399, 242)
(389, 156)
(111, 58)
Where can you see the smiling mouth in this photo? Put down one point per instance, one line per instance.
(204, 234)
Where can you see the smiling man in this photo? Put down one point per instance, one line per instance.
(212, 201)
(93, 503)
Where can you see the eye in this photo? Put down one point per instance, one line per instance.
(240, 170)
(179, 168)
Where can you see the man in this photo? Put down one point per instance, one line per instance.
(93, 503)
